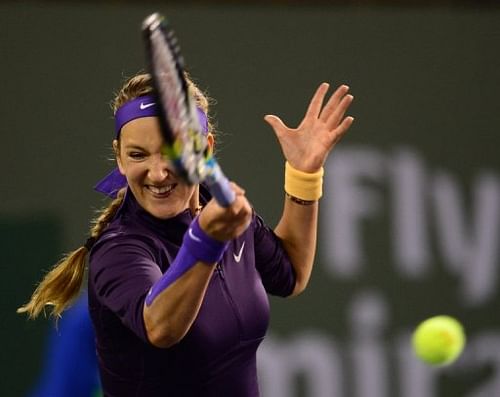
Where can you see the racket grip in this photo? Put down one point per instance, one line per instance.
(223, 192)
(220, 187)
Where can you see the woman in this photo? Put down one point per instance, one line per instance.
(177, 284)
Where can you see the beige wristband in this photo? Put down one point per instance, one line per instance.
(303, 185)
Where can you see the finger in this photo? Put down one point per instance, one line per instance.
(276, 124)
(239, 212)
(244, 213)
(316, 103)
(333, 102)
(237, 189)
(343, 128)
(337, 116)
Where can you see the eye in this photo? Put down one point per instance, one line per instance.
(136, 155)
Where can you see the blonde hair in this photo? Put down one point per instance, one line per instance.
(141, 84)
(62, 284)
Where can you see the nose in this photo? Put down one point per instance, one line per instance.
(158, 169)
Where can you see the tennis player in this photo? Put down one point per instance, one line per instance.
(178, 285)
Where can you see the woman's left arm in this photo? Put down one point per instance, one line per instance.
(306, 149)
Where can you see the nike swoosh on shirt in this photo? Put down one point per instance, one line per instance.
(146, 105)
(237, 258)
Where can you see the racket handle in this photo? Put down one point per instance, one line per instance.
(220, 187)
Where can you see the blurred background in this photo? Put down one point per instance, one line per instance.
(410, 219)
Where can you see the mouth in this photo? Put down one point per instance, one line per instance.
(161, 192)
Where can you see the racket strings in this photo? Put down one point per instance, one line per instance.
(169, 88)
(189, 146)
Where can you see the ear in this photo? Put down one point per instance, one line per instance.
(116, 150)
(211, 142)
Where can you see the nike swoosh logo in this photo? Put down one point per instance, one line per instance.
(237, 258)
(146, 105)
(192, 235)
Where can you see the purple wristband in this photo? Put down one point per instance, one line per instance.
(196, 246)
(203, 247)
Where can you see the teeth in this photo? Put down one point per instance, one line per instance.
(161, 190)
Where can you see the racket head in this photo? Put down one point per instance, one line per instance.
(186, 145)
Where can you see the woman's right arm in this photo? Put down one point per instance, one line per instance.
(169, 316)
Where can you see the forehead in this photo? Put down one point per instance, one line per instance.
(142, 132)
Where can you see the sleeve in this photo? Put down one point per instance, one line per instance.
(122, 270)
(271, 260)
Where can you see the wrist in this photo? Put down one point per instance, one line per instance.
(305, 187)
(203, 247)
(196, 247)
(296, 200)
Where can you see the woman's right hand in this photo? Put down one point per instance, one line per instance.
(225, 224)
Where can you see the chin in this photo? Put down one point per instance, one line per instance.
(164, 207)
(164, 213)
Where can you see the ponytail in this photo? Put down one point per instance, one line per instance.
(61, 285)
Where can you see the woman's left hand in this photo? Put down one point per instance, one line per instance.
(306, 147)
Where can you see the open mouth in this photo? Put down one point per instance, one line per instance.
(161, 191)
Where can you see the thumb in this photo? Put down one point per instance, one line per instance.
(275, 122)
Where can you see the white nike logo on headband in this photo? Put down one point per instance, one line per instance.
(146, 105)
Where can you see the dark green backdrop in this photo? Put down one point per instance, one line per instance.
(410, 218)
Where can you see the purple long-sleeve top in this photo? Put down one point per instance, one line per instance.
(217, 357)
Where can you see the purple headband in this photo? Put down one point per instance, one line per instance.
(143, 106)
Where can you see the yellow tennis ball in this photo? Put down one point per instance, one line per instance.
(439, 340)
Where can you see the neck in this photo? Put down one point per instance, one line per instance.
(194, 203)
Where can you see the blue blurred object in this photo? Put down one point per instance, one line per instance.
(70, 362)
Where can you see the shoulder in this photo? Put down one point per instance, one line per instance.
(259, 227)
(121, 233)
(121, 244)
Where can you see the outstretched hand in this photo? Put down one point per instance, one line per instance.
(306, 147)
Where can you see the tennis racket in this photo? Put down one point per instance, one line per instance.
(186, 146)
